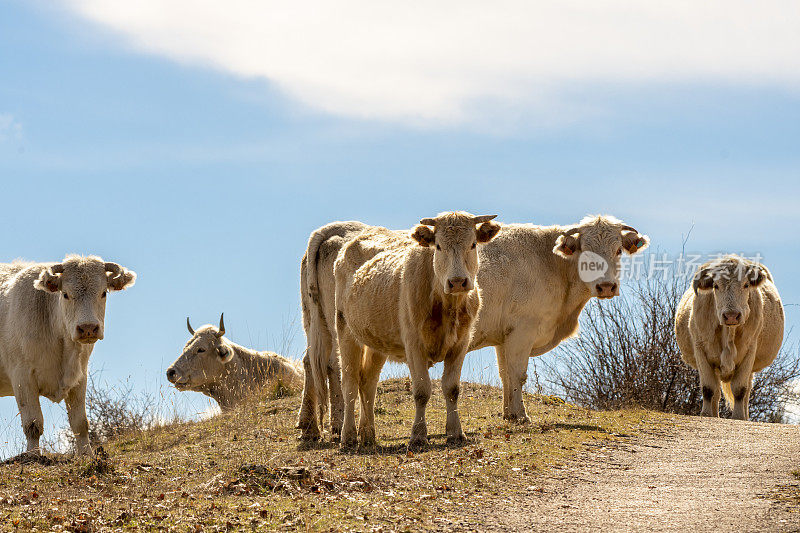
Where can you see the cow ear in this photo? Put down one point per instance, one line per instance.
(121, 280)
(633, 241)
(566, 245)
(757, 274)
(486, 231)
(423, 235)
(703, 280)
(48, 281)
(225, 353)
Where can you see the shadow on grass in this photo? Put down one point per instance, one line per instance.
(401, 445)
(580, 427)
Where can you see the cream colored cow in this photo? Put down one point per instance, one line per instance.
(409, 301)
(225, 371)
(51, 315)
(729, 325)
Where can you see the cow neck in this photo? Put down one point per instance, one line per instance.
(448, 304)
(233, 384)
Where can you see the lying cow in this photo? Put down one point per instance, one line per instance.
(531, 286)
(729, 325)
(225, 371)
(414, 302)
(51, 314)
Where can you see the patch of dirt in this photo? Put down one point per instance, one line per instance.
(27, 458)
(699, 474)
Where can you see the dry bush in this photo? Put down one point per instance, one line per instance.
(627, 355)
(114, 411)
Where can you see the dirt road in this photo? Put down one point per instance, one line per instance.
(696, 475)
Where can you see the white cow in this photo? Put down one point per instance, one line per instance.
(51, 314)
(729, 325)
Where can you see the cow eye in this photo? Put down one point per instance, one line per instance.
(201, 350)
(438, 247)
(716, 286)
(104, 294)
(474, 244)
(746, 285)
(619, 251)
(66, 296)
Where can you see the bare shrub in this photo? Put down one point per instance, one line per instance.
(626, 355)
(114, 411)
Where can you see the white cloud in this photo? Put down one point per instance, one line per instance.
(447, 61)
(9, 128)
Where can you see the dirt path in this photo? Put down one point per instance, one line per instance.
(698, 475)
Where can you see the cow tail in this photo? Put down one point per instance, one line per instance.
(318, 335)
(728, 394)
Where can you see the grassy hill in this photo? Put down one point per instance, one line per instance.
(246, 470)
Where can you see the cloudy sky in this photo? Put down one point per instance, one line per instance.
(199, 143)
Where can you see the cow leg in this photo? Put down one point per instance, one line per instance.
(741, 385)
(451, 387)
(517, 350)
(368, 387)
(421, 389)
(335, 388)
(307, 420)
(503, 370)
(30, 412)
(710, 384)
(76, 413)
(350, 351)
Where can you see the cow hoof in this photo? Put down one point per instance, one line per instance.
(310, 437)
(516, 419)
(418, 443)
(348, 446)
(456, 440)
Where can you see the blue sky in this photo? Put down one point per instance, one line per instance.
(206, 177)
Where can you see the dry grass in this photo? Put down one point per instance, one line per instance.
(246, 471)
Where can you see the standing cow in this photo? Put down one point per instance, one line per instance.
(532, 289)
(729, 325)
(51, 314)
(321, 361)
(225, 371)
(535, 281)
(414, 302)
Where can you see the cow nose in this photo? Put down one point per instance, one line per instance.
(732, 318)
(457, 284)
(606, 290)
(88, 330)
(172, 375)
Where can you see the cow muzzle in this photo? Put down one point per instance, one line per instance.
(731, 318)
(458, 284)
(88, 333)
(175, 377)
(606, 290)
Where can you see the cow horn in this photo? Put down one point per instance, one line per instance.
(483, 218)
(625, 227)
(113, 268)
(571, 230)
(58, 268)
(428, 221)
(221, 325)
(188, 325)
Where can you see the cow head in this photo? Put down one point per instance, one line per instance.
(595, 245)
(81, 285)
(455, 238)
(204, 358)
(729, 281)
